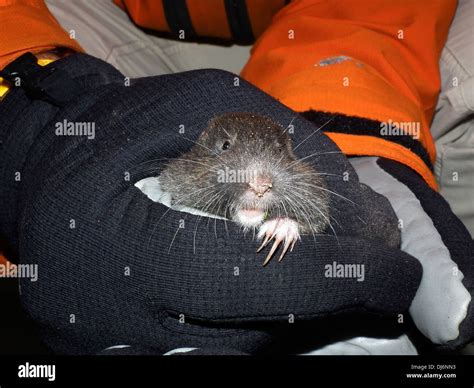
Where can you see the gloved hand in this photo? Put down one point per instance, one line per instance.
(107, 271)
(441, 309)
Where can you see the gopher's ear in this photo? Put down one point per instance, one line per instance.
(218, 124)
(289, 147)
(211, 124)
(218, 121)
(221, 119)
(204, 135)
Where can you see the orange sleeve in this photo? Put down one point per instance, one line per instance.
(27, 25)
(375, 59)
(208, 18)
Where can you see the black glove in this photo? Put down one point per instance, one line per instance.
(106, 272)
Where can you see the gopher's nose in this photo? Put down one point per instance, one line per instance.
(260, 186)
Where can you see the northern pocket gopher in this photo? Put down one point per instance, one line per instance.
(242, 167)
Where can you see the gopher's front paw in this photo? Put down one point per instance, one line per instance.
(280, 229)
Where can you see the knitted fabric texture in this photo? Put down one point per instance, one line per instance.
(107, 271)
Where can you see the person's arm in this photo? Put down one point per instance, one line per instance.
(377, 61)
(28, 26)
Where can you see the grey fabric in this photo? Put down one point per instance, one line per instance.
(359, 346)
(105, 31)
(453, 123)
(365, 346)
(437, 311)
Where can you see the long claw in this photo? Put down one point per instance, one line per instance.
(287, 245)
(272, 251)
(293, 245)
(265, 242)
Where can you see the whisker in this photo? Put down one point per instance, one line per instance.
(175, 234)
(317, 130)
(313, 155)
(329, 191)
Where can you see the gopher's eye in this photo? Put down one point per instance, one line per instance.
(226, 145)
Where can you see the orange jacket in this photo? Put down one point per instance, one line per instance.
(27, 25)
(393, 75)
